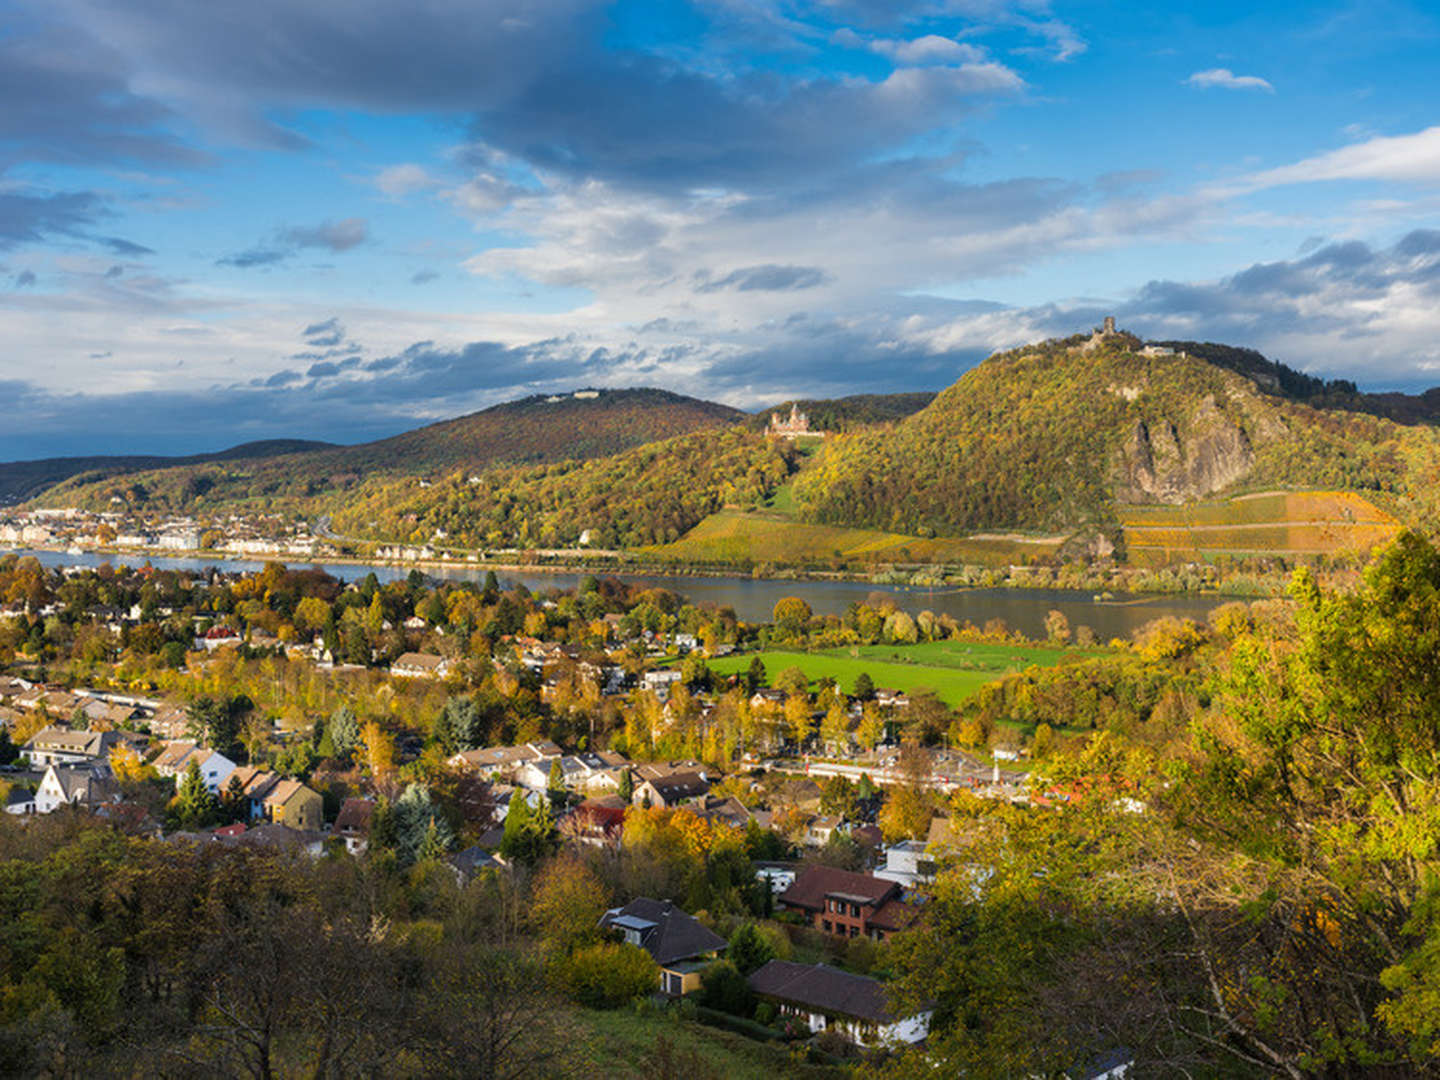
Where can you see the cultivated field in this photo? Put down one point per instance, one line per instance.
(733, 536)
(1274, 523)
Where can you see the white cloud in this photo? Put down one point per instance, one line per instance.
(1225, 79)
(1407, 158)
(397, 181)
(930, 49)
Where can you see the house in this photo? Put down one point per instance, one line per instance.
(506, 759)
(87, 786)
(891, 699)
(829, 999)
(907, 864)
(414, 665)
(275, 837)
(678, 942)
(778, 875)
(660, 683)
(59, 745)
(598, 822)
(470, 862)
(20, 801)
(175, 758)
(847, 904)
(294, 805)
(677, 789)
(353, 824)
(254, 785)
(821, 828)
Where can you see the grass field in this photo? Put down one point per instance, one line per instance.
(954, 670)
(1272, 523)
(621, 1043)
(733, 536)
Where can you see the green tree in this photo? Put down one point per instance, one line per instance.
(864, 686)
(194, 804)
(626, 789)
(749, 950)
(342, 729)
(460, 725)
(755, 675)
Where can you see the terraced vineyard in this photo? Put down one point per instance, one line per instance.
(746, 538)
(1269, 523)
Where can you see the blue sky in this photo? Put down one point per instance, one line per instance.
(222, 222)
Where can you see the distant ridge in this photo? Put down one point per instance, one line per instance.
(21, 480)
(542, 428)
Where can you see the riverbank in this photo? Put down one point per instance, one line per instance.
(1108, 614)
(1193, 580)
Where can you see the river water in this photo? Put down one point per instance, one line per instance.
(754, 599)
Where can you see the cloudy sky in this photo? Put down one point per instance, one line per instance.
(235, 220)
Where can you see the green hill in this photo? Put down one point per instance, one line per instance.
(541, 428)
(1057, 436)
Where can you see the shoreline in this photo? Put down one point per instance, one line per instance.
(618, 564)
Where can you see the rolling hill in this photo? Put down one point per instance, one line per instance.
(538, 429)
(21, 480)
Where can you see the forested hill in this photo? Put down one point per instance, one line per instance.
(1054, 436)
(20, 480)
(538, 429)
(849, 413)
(1276, 378)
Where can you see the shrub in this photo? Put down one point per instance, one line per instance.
(606, 976)
(724, 988)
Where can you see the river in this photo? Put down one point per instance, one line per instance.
(754, 599)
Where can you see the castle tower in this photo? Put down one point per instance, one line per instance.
(1109, 324)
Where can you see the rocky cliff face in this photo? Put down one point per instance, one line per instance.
(1162, 462)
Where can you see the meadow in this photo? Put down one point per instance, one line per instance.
(953, 669)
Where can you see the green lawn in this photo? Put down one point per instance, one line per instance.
(954, 670)
(621, 1043)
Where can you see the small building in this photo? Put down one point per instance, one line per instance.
(59, 745)
(414, 665)
(677, 789)
(174, 760)
(829, 999)
(661, 682)
(87, 786)
(292, 804)
(907, 864)
(678, 942)
(353, 824)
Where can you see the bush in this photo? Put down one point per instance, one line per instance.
(724, 988)
(765, 1013)
(606, 976)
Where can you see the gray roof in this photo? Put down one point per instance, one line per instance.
(673, 935)
(823, 989)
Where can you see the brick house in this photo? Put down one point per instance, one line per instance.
(846, 904)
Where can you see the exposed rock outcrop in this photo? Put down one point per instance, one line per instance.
(1160, 462)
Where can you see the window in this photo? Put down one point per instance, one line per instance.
(854, 931)
(855, 910)
(828, 926)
